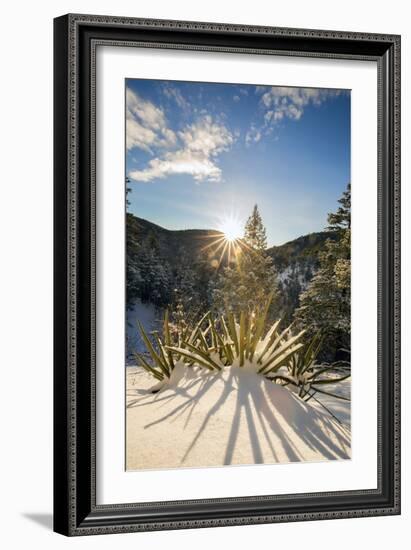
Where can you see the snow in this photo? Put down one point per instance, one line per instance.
(148, 317)
(295, 271)
(339, 408)
(201, 418)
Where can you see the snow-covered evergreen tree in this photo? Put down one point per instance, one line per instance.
(289, 293)
(134, 279)
(246, 284)
(254, 233)
(153, 273)
(185, 303)
(326, 303)
(159, 280)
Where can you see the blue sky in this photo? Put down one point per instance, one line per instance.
(197, 153)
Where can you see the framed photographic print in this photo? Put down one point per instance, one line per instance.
(226, 275)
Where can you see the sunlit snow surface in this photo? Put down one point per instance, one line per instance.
(233, 417)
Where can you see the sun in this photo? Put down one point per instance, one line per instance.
(226, 243)
(231, 228)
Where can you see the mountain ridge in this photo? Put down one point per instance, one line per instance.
(169, 254)
(157, 227)
(306, 245)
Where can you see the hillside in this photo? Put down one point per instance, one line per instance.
(169, 242)
(296, 262)
(161, 262)
(303, 250)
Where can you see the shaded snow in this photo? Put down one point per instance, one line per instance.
(341, 409)
(295, 272)
(148, 317)
(233, 417)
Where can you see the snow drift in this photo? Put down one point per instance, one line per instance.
(202, 418)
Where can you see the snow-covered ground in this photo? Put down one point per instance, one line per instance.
(232, 417)
(339, 408)
(148, 317)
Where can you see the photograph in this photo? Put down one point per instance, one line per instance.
(238, 272)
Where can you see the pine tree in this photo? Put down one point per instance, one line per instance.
(154, 272)
(159, 280)
(246, 285)
(326, 303)
(185, 303)
(341, 219)
(254, 232)
(128, 190)
(134, 279)
(289, 293)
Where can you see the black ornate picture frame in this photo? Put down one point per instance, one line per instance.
(76, 38)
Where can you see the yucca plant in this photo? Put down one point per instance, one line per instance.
(226, 341)
(306, 375)
(191, 347)
(216, 342)
(162, 361)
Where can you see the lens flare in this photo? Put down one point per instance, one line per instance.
(226, 243)
(231, 228)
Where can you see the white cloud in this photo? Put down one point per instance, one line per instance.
(174, 93)
(283, 102)
(253, 135)
(179, 162)
(279, 103)
(206, 136)
(200, 144)
(260, 89)
(146, 124)
(236, 98)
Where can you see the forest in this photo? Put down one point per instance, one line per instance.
(186, 273)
